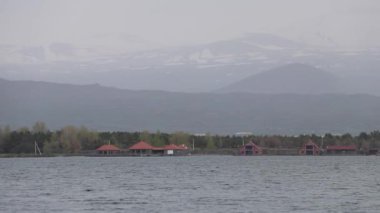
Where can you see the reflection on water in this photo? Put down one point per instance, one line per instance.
(191, 184)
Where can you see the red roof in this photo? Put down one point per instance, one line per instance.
(171, 147)
(182, 146)
(142, 145)
(352, 147)
(108, 147)
(311, 143)
(250, 144)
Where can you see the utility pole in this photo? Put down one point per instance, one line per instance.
(193, 143)
(36, 148)
(322, 141)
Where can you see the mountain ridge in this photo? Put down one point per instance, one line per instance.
(105, 108)
(293, 78)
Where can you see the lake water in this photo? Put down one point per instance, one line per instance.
(191, 184)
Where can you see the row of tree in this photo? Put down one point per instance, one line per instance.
(71, 139)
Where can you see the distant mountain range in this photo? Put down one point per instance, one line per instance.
(104, 108)
(198, 68)
(260, 83)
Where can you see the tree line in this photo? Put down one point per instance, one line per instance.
(72, 140)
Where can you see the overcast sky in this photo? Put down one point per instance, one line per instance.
(349, 23)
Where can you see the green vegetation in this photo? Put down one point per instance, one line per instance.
(72, 140)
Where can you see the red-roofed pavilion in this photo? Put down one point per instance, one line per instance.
(143, 148)
(108, 149)
(141, 145)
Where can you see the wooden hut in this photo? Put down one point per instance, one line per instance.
(341, 150)
(108, 149)
(250, 149)
(310, 148)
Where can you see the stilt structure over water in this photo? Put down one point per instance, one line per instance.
(310, 148)
(250, 149)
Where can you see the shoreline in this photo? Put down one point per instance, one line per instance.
(137, 156)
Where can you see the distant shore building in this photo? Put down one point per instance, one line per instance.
(142, 148)
(170, 149)
(173, 149)
(310, 148)
(108, 149)
(341, 150)
(250, 149)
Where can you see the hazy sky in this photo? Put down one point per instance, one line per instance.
(349, 23)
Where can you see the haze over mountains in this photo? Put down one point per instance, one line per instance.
(197, 68)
